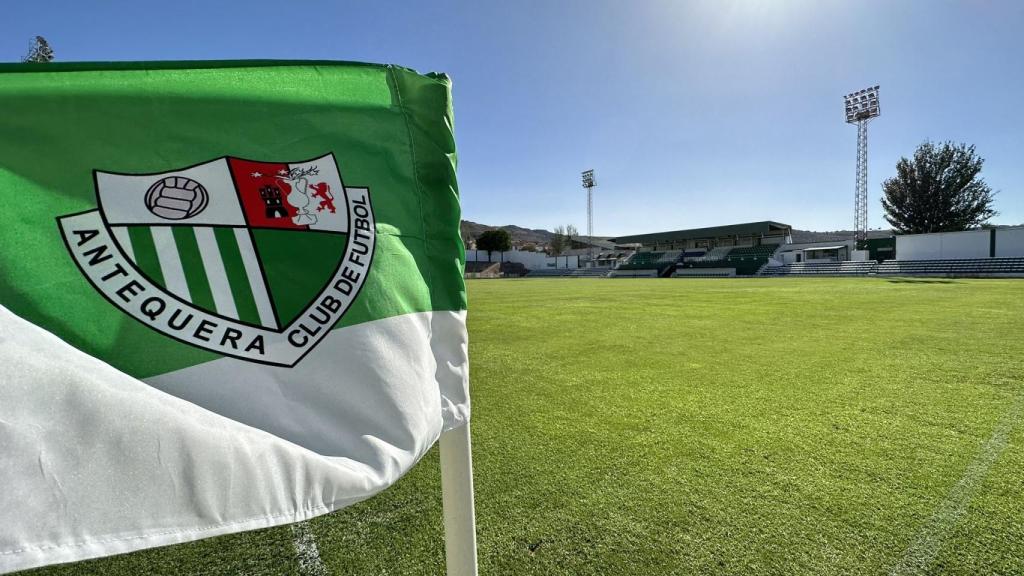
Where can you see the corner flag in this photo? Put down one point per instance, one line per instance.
(231, 297)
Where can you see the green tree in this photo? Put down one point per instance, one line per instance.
(571, 235)
(494, 241)
(939, 190)
(39, 52)
(557, 244)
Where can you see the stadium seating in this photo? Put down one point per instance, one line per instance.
(513, 269)
(479, 266)
(648, 261)
(569, 273)
(822, 269)
(672, 256)
(482, 270)
(750, 261)
(747, 260)
(590, 272)
(645, 258)
(715, 254)
(704, 273)
(706, 264)
(640, 273)
(763, 251)
(965, 267)
(549, 272)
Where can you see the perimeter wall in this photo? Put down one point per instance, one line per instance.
(988, 243)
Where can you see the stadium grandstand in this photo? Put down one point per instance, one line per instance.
(731, 250)
(606, 253)
(766, 249)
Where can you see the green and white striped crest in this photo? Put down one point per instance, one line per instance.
(251, 259)
(228, 194)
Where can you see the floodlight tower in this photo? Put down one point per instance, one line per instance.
(589, 183)
(861, 107)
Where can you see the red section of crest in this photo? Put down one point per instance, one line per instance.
(264, 196)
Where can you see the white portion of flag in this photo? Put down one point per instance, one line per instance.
(124, 240)
(170, 262)
(123, 197)
(217, 276)
(93, 459)
(321, 197)
(255, 276)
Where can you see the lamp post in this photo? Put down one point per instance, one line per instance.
(861, 107)
(589, 183)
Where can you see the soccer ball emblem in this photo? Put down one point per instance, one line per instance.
(176, 198)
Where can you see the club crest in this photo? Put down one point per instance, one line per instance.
(251, 259)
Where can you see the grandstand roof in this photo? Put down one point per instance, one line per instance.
(582, 242)
(747, 229)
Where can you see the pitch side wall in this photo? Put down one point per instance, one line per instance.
(1009, 243)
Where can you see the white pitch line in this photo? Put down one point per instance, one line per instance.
(170, 261)
(306, 551)
(932, 536)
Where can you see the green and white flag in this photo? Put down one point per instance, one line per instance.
(231, 296)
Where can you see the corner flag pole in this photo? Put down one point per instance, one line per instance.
(457, 499)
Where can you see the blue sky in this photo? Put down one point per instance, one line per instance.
(692, 113)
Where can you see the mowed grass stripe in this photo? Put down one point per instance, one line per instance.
(192, 263)
(237, 279)
(145, 253)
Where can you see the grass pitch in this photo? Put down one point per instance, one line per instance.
(755, 426)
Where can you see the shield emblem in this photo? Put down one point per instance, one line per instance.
(251, 259)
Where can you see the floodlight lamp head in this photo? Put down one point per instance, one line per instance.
(861, 105)
(588, 179)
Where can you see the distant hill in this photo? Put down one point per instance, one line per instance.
(541, 237)
(519, 234)
(802, 236)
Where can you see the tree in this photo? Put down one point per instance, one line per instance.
(563, 239)
(494, 241)
(938, 191)
(39, 52)
(571, 234)
(558, 241)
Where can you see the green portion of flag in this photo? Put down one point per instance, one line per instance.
(389, 128)
(297, 266)
(192, 263)
(241, 291)
(141, 238)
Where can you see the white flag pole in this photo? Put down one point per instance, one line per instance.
(457, 499)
